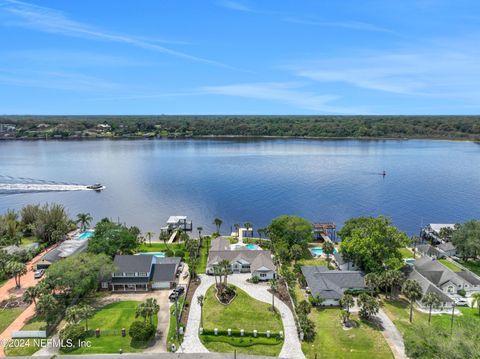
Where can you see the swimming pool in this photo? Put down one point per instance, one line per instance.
(253, 247)
(317, 251)
(85, 235)
(156, 254)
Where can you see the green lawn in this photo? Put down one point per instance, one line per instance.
(332, 341)
(246, 313)
(473, 266)
(7, 316)
(313, 262)
(406, 253)
(450, 265)
(398, 311)
(203, 257)
(160, 247)
(29, 240)
(172, 327)
(28, 347)
(113, 316)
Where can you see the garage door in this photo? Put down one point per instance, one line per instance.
(161, 285)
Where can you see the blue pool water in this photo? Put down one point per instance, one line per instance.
(156, 254)
(318, 251)
(252, 247)
(85, 235)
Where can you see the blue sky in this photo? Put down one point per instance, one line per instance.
(239, 57)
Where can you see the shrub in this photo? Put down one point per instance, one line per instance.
(141, 331)
(462, 292)
(169, 253)
(255, 279)
(74, 333)
(307, 326)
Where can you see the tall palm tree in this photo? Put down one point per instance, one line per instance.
(273, 288)
(328, 249)
(152, 308)
(200, 300)
(237, 228)
(347, 302)
(476, 300)
(163, 236)
(412, 290)
(200, 229)
(225, 270)
(372, 281)
(397, 279)
(31, 294)
(248, 225)
(260, 231)
(218, 223)
(84, 219)
(432, 301)
(149, 236)
(16, 269)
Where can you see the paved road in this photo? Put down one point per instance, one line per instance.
(192, 344)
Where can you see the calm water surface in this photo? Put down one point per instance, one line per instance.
(253, 180)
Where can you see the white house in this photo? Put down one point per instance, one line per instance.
(257, 262)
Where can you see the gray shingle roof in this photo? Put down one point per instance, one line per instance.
(130, 263)
(427, 249)
(428, 287)
(220, 244)
(439, 274)
(331, 284)
(164, 272)
(447, 246)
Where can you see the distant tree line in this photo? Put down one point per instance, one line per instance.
(458, 127)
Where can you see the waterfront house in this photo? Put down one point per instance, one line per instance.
(330, 285)
(141, 273)
(428, 287)
(257, 262)
(448, 281)
(63, 250)
(430, 251)
(448, 248)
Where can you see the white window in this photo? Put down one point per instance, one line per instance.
(105, 285)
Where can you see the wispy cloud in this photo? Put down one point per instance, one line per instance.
(286, 92)
(54, 21)
(58, 80)
(234, 5)
(353, 25)
(445, 68)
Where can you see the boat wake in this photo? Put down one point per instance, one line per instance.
(11, 185)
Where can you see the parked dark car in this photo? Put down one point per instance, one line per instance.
(179, 290)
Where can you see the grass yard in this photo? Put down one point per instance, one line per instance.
(29, 240)
(473, 266)
(203, 257)
(399, 311)
(7, 316)
(172, 327)
(160, 247)
(113, 317)
(244, 312)
(28, 347)
(332, 341)
(450, 265)
(406, 253)
(313, 262)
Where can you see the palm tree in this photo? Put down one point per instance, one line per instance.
(84, 220)
(412, 290)
(149, 236)
(237, 227)
(72, 314)
(200, 229)
(218, 223)
(31, 294)
(200, 300)
(328, 249)
(152, 308)
(372, 281)
(432, 301)
(225, 270)
(216, 271)
(86, 312)
(397, 279)
(164, 238)
(16, 269)
(476, 300)
(141, 311)
(273, 287)
(347, 302)
(260, 231)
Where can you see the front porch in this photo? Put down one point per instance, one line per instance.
(130, 287)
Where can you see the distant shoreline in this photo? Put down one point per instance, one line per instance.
(239, 137)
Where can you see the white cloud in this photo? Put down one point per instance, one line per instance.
(285, 92)
(233, 5)
(53, 21)
(439, 69)
(354, 25)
